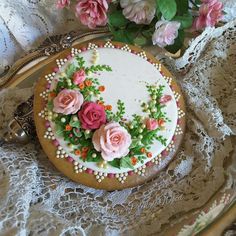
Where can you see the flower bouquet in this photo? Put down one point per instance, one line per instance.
(161, 22)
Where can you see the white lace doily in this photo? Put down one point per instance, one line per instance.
(35, 199)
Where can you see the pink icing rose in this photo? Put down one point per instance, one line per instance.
(166, 33)
(112, 140)
(63, 3)
(165, 98)
(92, 12)
(68, 101)
(92, 115)
(139, 11)
(151, 124)
(210, 12)
(79, 77)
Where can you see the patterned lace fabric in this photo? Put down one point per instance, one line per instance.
(36, 199)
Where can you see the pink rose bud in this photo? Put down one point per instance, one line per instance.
(166, 32)
(92, 12)
(63, 3)
(140, 12)
(79, 77)
(210, 13)
(68, 101)
(112, 140)
(92, 115)
(151, 124)
(164, 99)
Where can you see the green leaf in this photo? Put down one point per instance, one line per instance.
(178, 43)
(186, 20)
(182, 6)
(140, 40)
(135, 143)
(70, 70)
(121, 36)
(115, 163)
(125, 162)
(117, 19)
(168, 8)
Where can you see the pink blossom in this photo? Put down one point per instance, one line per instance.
(92, 115)
(139, 11)
(151, 124)
(210, 12)
(92, 12)
(166, 33)
(112, 140)
(79, 77)
(63, 3)
(68, 101)
(165, 98)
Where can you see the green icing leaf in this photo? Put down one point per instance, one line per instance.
(88, 135)
(168, 8)
(50, 105)
(59, 130)
(125, 162)
(70, 70)
(89, 157)
(115, 163)
(77, 132)
(74, 122)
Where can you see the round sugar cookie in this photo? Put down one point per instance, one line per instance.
(108, 115)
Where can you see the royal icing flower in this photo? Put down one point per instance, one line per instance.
(210, 12)
(62, 3)
(139, 11)
(165, 98)
(112, 140)
(92, 12)
(166, 32)
(79, 77)
(151, 124)
(92, 115)
(68, 101)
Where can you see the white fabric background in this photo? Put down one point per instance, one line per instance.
(37, 200)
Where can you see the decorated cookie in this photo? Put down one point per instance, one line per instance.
(108, 115)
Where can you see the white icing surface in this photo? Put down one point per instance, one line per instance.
(127, 82)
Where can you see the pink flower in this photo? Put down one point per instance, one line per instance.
(151, 124)
(166, 33)
(139, 11)
(112, 140)
(165, 98)
(92, 12)
(92, 115)
(68, 101)
(79, 77)
(210, 12)
(63, 3)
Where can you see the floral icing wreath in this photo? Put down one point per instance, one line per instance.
(92, 131)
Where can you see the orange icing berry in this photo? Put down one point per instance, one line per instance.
(134, 161)
(142, 150)
(77, 152)
(161, 122)
(149, 154)
(85, 149)
(81, 86)
(101, 88)
(108, 107)
(53, 94)
(88, 83)
(68, 127)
